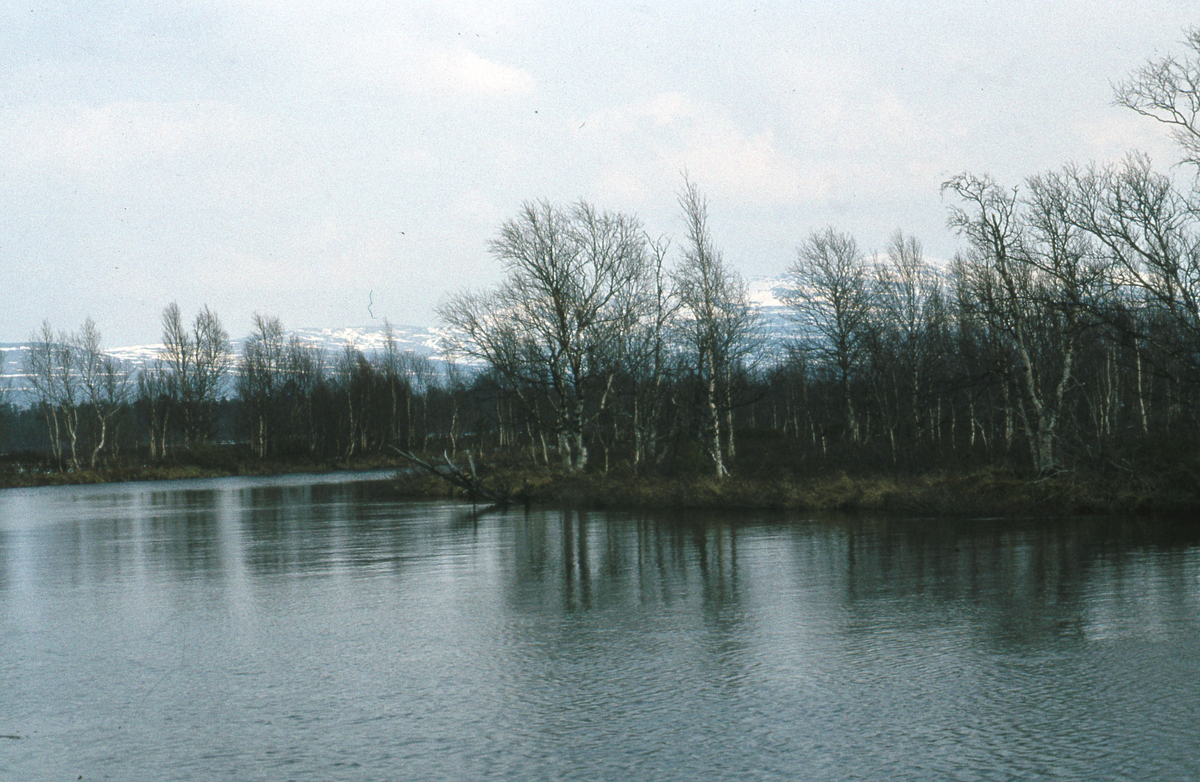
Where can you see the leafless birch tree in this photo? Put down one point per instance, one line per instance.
(556, 326)
(1167, 89)
(831, 303)
(718, 323)
(198, 362)
(1034, 273)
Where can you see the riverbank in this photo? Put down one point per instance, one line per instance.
(984, 492)
(979, 493)
(208, 463)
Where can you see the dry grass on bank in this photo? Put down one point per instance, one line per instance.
(1167, 486)
(980, 493)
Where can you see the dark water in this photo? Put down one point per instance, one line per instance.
(305, 628)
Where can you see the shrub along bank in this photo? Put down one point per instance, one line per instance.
(985, 492)
(1160, 486)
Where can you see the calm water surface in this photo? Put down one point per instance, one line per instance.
(312, 628)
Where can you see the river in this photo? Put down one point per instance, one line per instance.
(314, 628)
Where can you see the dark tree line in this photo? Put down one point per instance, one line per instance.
(281, 397)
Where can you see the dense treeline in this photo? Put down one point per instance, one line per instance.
(1044, 346)
(280, 398)
(1063, 336)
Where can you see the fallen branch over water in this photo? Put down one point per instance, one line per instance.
(467, 480)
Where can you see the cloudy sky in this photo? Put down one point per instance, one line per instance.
(338, 163)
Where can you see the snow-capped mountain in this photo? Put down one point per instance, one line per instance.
(766, 293)
(422, 340)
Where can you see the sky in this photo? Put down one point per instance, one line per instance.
(335, 164)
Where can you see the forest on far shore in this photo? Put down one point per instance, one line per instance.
(1063, 338)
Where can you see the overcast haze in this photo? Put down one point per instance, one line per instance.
(335, 164)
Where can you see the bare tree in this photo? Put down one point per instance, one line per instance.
(1032, 271)
(198, 362)
(1167, 89)
(260, 381)
(305, 373)
(105, 384)
(719, 324)
(67, 387)
(910, 321)
(79, 389)
(831, 302)
(422, 377)
(40, 366)
(556, 326)
(155, 395)
(650, 358)
(355, 379)
(455, 386)
(393, 366)
(1150, 234)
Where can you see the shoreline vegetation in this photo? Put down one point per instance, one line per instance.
(979, 492)
(986, 492)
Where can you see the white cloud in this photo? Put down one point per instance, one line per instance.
(652, 141)
(98, 139)
(668, 108)
(245, 150)
(816, 139)
(464, 71)
(390, 54)
(1108, 136)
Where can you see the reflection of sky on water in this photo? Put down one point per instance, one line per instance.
(1045, 578)
(330, 620)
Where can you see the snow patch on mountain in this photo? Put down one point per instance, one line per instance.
(767, 294)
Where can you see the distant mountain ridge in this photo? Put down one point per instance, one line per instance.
(422, 340)
(766, 293)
